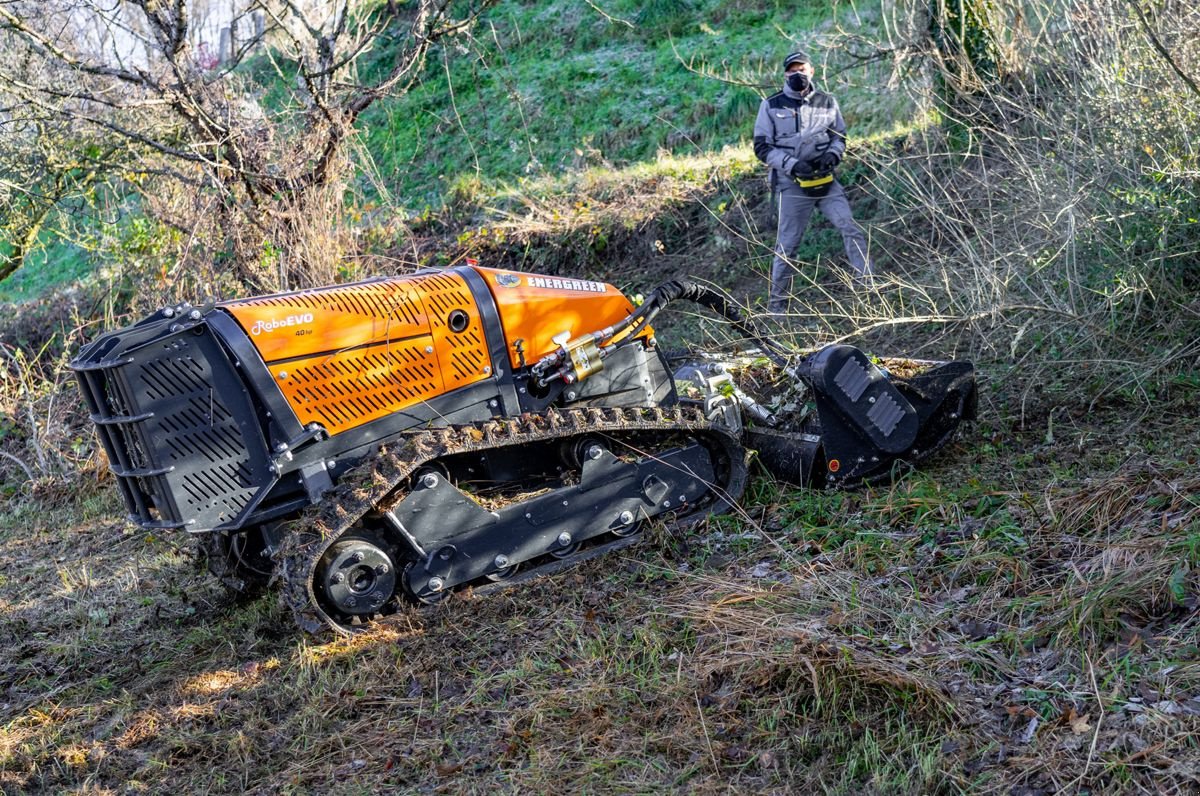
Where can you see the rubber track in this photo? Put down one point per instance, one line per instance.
(378, 481)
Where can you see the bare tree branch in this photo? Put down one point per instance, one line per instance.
(172, 106)
(1162, 49)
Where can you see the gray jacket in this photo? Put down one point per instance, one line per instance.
(789, 129)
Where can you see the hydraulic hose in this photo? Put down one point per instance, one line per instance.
(707, 297)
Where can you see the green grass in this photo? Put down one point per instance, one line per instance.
(54, 263)
(545, 92)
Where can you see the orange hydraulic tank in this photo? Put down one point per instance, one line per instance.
(534, 309)
(346, 355)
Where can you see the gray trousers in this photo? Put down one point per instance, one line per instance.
(795, 209)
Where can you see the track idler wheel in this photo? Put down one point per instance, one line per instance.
(576, 452)
(357, 578)
(238, 559)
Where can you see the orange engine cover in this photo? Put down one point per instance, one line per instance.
(346, 355)
(534, 309)
(343, 356)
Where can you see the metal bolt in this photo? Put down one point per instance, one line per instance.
(436, 584)
(429, 480)
(358, 556)
(501, 561)
(382, 569)
(493, 403)
(565, 503)
(528, 515)
(338, 577)
(377, 598)
(625, 517)
(487, 368)
(330, 464)
(666, 504)
(194, 315)
(871, 399)
(595, 452)
(572, 395)
(351, 602)
(168, 312)
(428, 349)
(283, 374)
(683, 498)
(564, 538)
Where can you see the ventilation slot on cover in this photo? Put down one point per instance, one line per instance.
(383, 299)
(196, 436)
(462, 349)
(353, 387)
(886, 414)
(853, 379)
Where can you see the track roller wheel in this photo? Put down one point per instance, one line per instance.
(576, 452)
(564, 547)
(503, 570)
(627, 525)
(356, 578)
(429, 475)
(428, 591)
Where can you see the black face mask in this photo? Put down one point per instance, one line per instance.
(798, 81)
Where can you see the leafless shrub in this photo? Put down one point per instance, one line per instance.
(1039, 213)
(44, 440)
(262, 180)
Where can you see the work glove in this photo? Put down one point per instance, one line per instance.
(801, 169)
(824, 162)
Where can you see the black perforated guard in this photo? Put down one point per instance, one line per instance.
(178, 425)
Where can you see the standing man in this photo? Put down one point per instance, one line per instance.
(801, 136)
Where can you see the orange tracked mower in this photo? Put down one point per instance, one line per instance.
(393, 440)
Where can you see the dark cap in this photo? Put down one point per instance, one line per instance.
(797, 57)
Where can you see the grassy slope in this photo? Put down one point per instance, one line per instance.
(963, 629)
(551, 89)
(1020, 615)
(545, 93)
